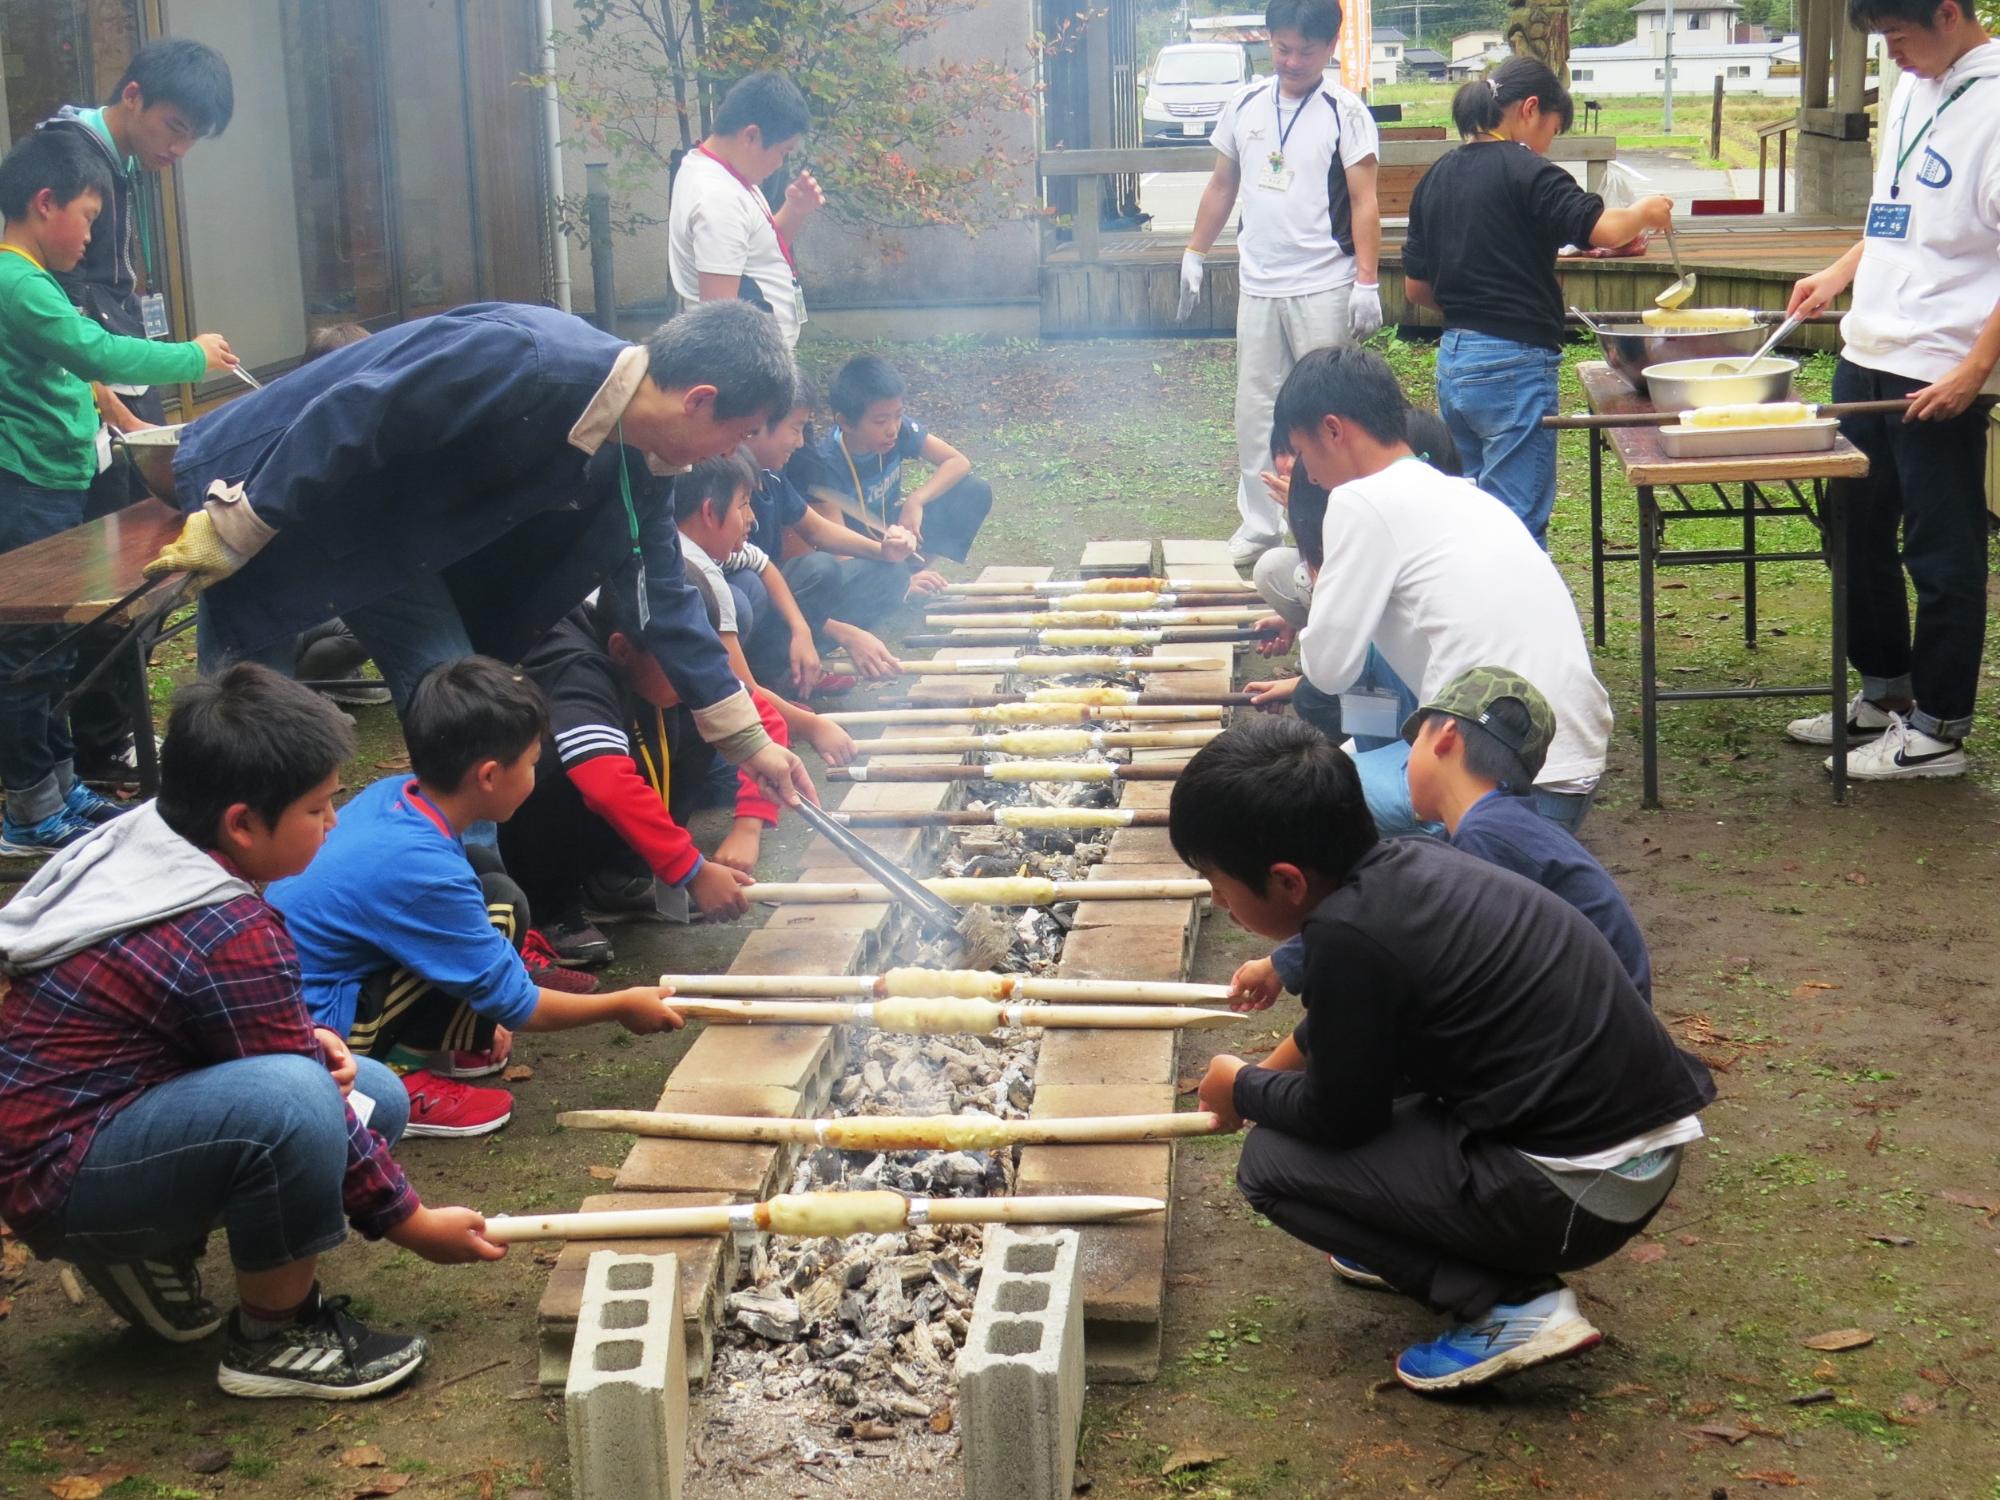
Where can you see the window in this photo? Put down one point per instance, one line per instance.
(1660, 74)
(1739, 72)
(1390, 50)
(1580, 75)
(1697, 20)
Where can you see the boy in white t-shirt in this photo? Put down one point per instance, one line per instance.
(1435, 577)
(1301, 152)
(1925, 325)
(723, 241)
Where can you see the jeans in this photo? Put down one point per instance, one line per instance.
(862, 591)
(259, 1143)
(1929, 479)
(766, 635)
(1383, 763)
(1493, 394)
(1566, 810)
(1272, 335)
(35, 749)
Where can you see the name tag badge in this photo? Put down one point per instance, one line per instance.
(363, 1107)
(1276, 179)
(153, 312)
(1888, 221)
(799, 302)
(1370, 715)
(645, 609)
(103, 448)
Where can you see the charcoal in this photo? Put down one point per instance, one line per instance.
(765, 1315)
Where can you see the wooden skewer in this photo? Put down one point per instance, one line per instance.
(1008, 817)
(1104, 619)
(952, 1015)
(1003, 890)
(1108, 586)
(868, 524)
(967, 1132)
(1029, 713)
(1018, 770)
(817, 1214)
(1094, 637)
(975, 983)
(1089, 603)
(1109, 663)
(1037, 741)
(950, 695)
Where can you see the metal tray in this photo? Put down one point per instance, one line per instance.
(1813, 436)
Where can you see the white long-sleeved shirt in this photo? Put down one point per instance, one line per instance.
(1441, 577)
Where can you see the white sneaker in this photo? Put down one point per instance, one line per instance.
(1864, 722)
(1903, 752)
(1245, 550)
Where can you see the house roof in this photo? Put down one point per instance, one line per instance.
(1683, 5)
(1424, 56)
(1388, 34)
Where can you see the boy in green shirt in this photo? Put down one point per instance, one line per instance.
(52, 187)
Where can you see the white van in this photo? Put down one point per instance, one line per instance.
(1187, 87)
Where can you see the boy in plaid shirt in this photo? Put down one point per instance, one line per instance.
(158, 1070)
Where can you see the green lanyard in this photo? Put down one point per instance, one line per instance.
(632, 522)
(1903, 152)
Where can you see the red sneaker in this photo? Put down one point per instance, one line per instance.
(470, 1064)
(833, 684)
(439, 1106)
(545, 966)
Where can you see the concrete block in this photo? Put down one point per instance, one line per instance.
(761, 1099)
(1145, 1168)
(1012, 573)
(671, 1166)
(1059, 1101)
(790, 1057)
(1152, 795)
(1127, 951)
(792, 943)
(1179, 553)
(1146, 915)
(1101, 1057)
(1143, 846)
(898, 796)
(626, 1402)
(1021, 1372)
(1109, 559)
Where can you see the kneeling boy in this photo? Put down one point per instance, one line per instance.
(159, 1072)
(1477, 1099)
(402, 943)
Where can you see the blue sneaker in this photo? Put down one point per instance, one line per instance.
(1356, 1274)
(31, 841)
(89, 809)
(1507, 1339)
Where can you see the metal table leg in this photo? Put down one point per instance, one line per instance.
(139, 703)
(1750, 565)
(1649, 709)
(1833, 536)
(1597, 535)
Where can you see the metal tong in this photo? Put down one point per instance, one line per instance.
(935, 911)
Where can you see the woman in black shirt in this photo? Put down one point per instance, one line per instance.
(1485, 226)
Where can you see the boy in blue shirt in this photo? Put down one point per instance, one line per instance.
(402, 941)
(1476, 748)
(860, 461)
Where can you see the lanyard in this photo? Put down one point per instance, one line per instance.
(769, 217)
(657, 774)
(860, 498)
(625, 490)
(17, 250)
(1902, 151)
(1278, 113)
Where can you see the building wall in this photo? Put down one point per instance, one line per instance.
(1597, 78)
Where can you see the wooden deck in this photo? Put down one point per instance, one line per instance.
(1133, 286)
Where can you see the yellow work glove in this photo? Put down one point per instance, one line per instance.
(199, 552)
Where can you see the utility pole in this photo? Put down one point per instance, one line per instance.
(1418, 6)
(1667, 121)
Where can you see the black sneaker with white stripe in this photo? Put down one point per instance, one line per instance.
(324, 1353)
(161, 1296)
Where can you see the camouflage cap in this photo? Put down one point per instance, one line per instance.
(1471, 696)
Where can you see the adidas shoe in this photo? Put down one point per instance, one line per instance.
(326, 1353)
(1507, 1339)
(561, 945)
(32, 840)
(162, 1296)
(1904, 753)
(444, 1107)
(1355, 1274)
(88, 808)
(1864, 721)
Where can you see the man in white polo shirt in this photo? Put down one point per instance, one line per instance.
(723, 241)
(1301, 152)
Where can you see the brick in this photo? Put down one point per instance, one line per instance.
(1100, 1057)
(787, 946)
(1180, 553)
(1109, 559)
(1124, 1269)
(825, 919)
(1127, 952)
(1145, 915)
(897, 796)
(656, 1165)
(1014, 573)
(1021, 1372)
(709, 1098)
(1055, 1101)
(626, 1401)
(1153, 795)
(1143, 846)
(1145, 1168)
(786, 1056)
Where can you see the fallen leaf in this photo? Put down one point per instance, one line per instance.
(1689, 1240)
(210, 1460)
(1900, 1241)
(1987, 1206)
(518, 1073)
(1839, 1340)
(1935, 1377)
(1646, 1252)
(486, 1485)
(1874, 1145)
(602, 1174)
(1914, 1405)
(1187, 1085)
(1720, 1432)
(869, 1430)
(1855, 877)
(6, 1306)
(1826, 1369)
(394, 763)
(76, 1487)
(1626, 1388)
(383, 1484)
(14, 1258)
(1191, 1458)
(1784, 1479)
(368, 1456)
(941, 1420)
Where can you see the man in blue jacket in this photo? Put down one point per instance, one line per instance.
(459, 483)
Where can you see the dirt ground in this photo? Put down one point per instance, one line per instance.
(1834, 965)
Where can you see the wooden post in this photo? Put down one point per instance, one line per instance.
(1085, 221)
(1715, 122)
(1815, 58)
(604, 287)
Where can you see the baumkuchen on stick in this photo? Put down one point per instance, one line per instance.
(1006, 817)
(951, 1015)
(1175, 636)
(951, 695)
(1105, 586)
(967, 1132)
(1000, 890)
(1039, 741)
(1034, 664)
(1016, 770)
(813, 1215)
(1029, 713)
(1103, 619)
(1093, 602)
(977, 984)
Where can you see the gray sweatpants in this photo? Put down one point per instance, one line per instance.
(1272, 335)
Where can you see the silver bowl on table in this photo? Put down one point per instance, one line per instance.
(1630, 347)
(1691, 384)
(152, 451)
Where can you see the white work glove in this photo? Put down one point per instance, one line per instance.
(1364, 311)
(1192, 263)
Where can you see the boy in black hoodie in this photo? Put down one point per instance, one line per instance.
(1477, 1099)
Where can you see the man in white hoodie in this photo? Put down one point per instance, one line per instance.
(1925, 324)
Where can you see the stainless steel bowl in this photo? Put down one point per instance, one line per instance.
(152, 451)
(1630, 347)
(1691, 384)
